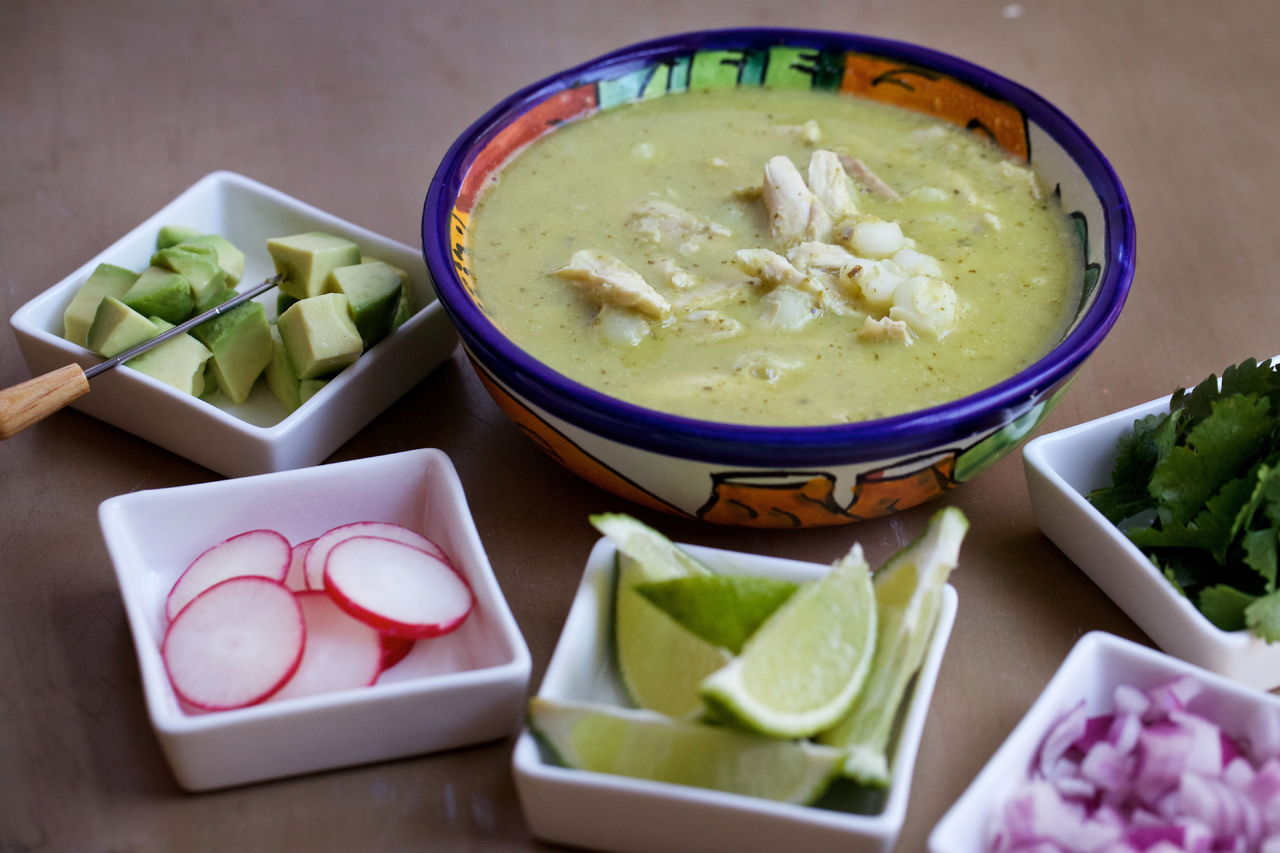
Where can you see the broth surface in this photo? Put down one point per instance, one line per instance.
(1000, 241)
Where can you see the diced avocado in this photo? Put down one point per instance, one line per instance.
(206, 278)
(215, 298)
(320, 336)
(307, 259)
(373, 292)
(159, 292)
(106, 280)
(229, 257)
(178, 361)
(307, 388)
(283, 301)
(240, 341)
(172, 235)
(281, 379)
(404, 305)
(116, 327)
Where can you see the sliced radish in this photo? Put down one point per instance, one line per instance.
(385, 530)
(394, 649)
(296, 579)
(235, 643)
(341, 651)
(264, 553)
(396, 588)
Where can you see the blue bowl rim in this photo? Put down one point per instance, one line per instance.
(780, 446)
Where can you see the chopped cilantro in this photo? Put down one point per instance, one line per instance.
(1197, 488)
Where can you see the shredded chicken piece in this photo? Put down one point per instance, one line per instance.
(868, 179)
(809, 131)
(823, 256)
(885, 329)
(795, 213)
(677, 276)
(611, 282)
(664, 222)
(771, 268)
(829, 182)
(713, 294)
(711, 325)
(788, 308)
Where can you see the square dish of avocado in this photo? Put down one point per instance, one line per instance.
(278, 383)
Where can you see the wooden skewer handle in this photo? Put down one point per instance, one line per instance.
(37, 398)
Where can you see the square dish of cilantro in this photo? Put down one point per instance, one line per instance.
(1173, 509)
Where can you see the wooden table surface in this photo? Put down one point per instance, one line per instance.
(109, 109)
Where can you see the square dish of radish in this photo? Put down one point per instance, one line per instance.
(350, 597)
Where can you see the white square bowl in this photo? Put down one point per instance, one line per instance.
(257, 436)
(1096, 665)
(1062, 468)
(600, 811)
(465, 687)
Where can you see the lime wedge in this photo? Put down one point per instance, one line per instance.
(660, 663)
(800, 671)
(908, 592)
(645, 745)
(724, 610)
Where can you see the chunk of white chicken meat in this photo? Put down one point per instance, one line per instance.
(829, 182)
(772, 269)
(713, 294)
(877, 329)
(788, 308)
(621, 326)
(928, 305)
(775, 271)
(676, 275)
(795, 213)
(822, 256)
(609, 281)
(865, 177)
(669, 224)
(709, 325)
(808, 131)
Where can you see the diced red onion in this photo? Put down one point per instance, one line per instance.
(1152, 776)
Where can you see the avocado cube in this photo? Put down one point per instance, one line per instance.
(373, 293)
(163, 293)
(404, 305)
(116, 327)
(179, 361)
(307, 388)
(172, 235)
(281, 379)
(206, 278)
(106, 280)
(228, 256)
(283, 301)
(307, 259)
(240, 341)
(319, 335)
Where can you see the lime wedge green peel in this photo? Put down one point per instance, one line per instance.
(645, 745)
(908, 591)
(661, 663)
(724, 610)
(800, 671)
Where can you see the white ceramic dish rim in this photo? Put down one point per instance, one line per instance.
(528, 762)
(24, 318)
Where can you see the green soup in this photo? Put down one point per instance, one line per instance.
(731, 344)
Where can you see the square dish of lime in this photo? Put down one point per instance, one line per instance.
(701, 699)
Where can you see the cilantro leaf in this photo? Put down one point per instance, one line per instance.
(1137, 454)
(1212, 529)
(1236, 431)
(1263, 617)
(1260, 554)
(1225, 606)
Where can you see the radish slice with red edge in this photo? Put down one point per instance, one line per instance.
(296, 579)
(341, 651)
(394, 649)
(396, 588)
(234, 644)
(320, 549)
(264, 553)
